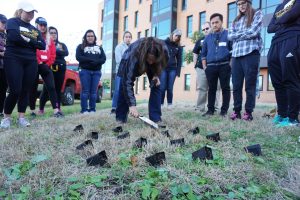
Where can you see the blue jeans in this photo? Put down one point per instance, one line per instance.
(167, 79)
(116, 92)
(153, 106)
(89, 82)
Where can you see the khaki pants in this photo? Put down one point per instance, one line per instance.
(202, 88)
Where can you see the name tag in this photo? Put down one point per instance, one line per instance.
(43, 57)
(222, 44)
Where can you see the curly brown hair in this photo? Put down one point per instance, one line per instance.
(155, 47)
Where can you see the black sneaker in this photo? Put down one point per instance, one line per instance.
(113, 111)
(223, 113)
(208, 113)
(33, 114)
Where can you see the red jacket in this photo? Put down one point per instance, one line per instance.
(47, 56)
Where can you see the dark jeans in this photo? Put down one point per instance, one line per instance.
(89, 83)
(116, 92)
(3, 89)
(47, 76)
(154, 105)
(245, 67)
(284, 69)
(20, 75)
(213, 73)
(59, 77)
(167, 79)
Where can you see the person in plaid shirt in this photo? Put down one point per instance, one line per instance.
(247, 43)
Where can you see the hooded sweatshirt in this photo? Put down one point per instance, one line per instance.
(48, 55)
(91, 57)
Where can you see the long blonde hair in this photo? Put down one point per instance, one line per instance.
(17, 13)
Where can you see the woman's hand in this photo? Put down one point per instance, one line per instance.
(133, 111)
(156, 80)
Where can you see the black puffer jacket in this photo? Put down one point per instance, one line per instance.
(175, 53)
(129, 70)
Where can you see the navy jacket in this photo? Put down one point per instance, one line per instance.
(175, 56)
(129, 70)
(91, 57)
(16, 46)
(286, 20)
(216, 47)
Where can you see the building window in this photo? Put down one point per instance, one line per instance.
(256, 4)
(140, 1)
(126, 4)
(270, 85)
(202, 20)
(189, 29)
(136, 18)
(125, 23)
(232, 13)
(102, 15)
(184, 4)
(138, 35)
(150, 16)
(146, 32)
(101, 33)
(187, 82)
(137, 86)
(145, 83)
(261, 82)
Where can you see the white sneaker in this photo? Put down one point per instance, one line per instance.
(5, 122)
(22, 122)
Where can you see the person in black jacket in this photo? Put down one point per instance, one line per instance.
(91, 57)
(147, 55)
(284, 61)
(3, 82)
(173, 68)
(58, 69)
(20, 64)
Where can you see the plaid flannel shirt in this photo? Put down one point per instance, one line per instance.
(246, 39)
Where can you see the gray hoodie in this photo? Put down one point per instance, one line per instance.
(119, 51)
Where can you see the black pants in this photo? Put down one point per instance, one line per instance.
(20, 75)
(48, 79)
(213, 73)
(284, 68)
(245, 67)
(3, 89)
(59, 77)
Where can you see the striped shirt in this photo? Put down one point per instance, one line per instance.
(246, 39)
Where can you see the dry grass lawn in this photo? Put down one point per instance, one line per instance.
(41, 162)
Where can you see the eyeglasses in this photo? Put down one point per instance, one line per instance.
(53, 33)
(242, 3)
(90, 36)
(205, 29)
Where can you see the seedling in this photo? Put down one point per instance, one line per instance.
(166, 133)
(98, 159)
(214, 137)
(179, 142)
(255, 150)
(78, 128)
(84, 144)
(203, 154)
(156, 159)
(118, 129)
(123, 135)
(140, 143)
(194, 130)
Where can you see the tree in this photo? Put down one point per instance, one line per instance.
(189, 55)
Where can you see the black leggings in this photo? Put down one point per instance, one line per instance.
(59, 77)
(20, 75)
(48, 79)
(3, 89)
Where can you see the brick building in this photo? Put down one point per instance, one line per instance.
(159, 18)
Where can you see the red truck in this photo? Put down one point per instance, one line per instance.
(71, 87)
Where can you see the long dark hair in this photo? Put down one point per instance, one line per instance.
(84, 40)
(249, 14)
(53, 28)
(153, 46)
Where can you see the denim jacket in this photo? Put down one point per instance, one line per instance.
(216, 48)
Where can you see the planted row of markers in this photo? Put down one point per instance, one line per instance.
(204, 153)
